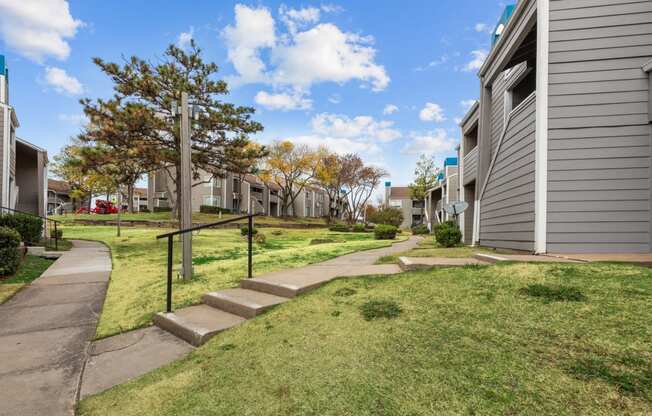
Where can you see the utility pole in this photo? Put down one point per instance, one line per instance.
(186, 189)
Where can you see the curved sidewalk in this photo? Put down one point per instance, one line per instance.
(45, 330)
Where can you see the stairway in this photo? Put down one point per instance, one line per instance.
(219, 311)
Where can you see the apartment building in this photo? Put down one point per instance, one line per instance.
(555, 157)
(23, 166)
(240, 194)
(399, 197)
(444, 193)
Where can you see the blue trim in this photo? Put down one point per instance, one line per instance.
(3, 66)
(388, 184)
(450, 161)
(504, 19)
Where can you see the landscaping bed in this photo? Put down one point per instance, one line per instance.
(537, 339)
(138, 284)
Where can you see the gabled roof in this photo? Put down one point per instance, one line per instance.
(60, 187)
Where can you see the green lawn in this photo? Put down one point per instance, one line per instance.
(197, 217)
(31, 268)
(429, 248)
(138, 280)
(509, 339)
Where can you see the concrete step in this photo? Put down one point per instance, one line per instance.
(489, 258)
(196, 324)
(273, 288)
(242, 302)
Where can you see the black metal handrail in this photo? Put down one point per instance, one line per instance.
(171, 235)
(46, 222)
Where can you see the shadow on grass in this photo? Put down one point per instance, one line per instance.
(631, 374)
(550, 294)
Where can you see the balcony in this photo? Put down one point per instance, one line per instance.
(471, 166)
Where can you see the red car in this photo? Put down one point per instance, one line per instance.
(101, 207)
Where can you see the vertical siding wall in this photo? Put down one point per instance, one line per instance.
(507, 206)
(497, 111)
(599, 136)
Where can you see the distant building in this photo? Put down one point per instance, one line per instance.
(399, 197)
(238, 194)
(59, 200)
(23, 166)
(444, 193)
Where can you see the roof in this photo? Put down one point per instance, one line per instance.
(28, 144)
(61, 187)
(140, 191)
(399, 192)
(472, 114)
(450, 161)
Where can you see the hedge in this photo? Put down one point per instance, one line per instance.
(385, 232)
(340, 228)
(448, 234)
(209, 209)
(162, 209)
(9, 254)
(29, 227)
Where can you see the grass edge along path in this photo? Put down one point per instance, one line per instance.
(31, 268)
(138, 285)
(460, 341)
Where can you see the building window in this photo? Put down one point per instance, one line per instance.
(395, 203)
(521, 83)
(213, 201)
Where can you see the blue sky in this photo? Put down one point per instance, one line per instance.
(385, 79)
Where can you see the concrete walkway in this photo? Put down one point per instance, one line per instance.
(45, 331)
(118, 359)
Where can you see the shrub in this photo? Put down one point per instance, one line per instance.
(260, 238)
(340, 228)
(9, 254)
(317, 241)
(385, 232)
(359, 228)
(376, 309)
(244, 230)
(448, 234)
(209, 209)
(29, 227)
(57, 234)
(143, 210)
(389, 216)
(162, 209)
(420, 230)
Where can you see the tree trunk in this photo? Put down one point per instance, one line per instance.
(130, 196)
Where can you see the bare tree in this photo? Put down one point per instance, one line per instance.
(359, 186)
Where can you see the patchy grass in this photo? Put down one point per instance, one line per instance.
(197, 217)
(138, 281)
(427, 247)
(378, 309)
(63, 245)
(467, 342)
(30, 268)
(554, 293)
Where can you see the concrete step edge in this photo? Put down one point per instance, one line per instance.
(241, 307)
(278, 289)
(489, 258)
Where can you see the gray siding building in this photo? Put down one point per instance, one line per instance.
(555, 158)
(23, 166)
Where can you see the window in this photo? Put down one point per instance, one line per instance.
(213, 201)
(395, 203)
(521, 82)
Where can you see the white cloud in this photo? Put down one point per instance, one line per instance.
(38, 28)
(482, 28)
(58, 79)
(390, 109)
(309, 53)
(296, 19)
(74, 119)
(436, 142)
(467, 104)
(335, 99)
(183, 41)
(253, 30)
(360, 127)
(337, 144)
(433, 64)
(432, 112)
(283, 101)
(475, 64)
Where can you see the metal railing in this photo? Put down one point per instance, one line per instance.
(48, 225)
(170, 236)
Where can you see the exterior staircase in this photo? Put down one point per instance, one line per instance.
(219, 311)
